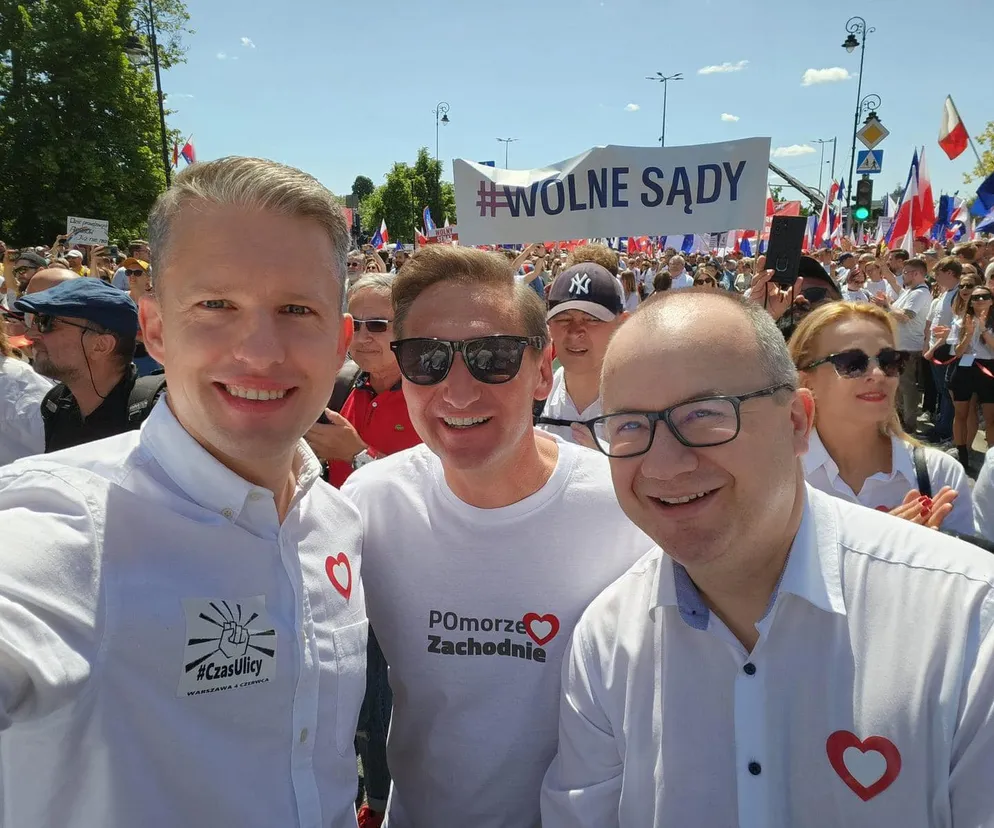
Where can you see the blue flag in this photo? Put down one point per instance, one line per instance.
(985, 197)
(688, 244)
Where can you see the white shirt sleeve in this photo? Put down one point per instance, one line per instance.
(582, 788)
(944, 470)
(983, 499)
(49, 590)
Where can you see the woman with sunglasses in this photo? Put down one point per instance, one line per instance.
(858, 451)
(373, 421)
(972, 375)
(705, 277)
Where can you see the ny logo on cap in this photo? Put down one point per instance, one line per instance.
(579, 284)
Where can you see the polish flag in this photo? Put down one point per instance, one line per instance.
(902, 234)
(380, 237)
(188, 153)
(924, 212)
(824, 229)
(953, 136)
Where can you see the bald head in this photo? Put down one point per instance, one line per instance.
(48, 278)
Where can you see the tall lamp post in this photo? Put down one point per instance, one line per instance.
(821, 164)
(659, 77)
(138, 56)
(507, 142)
(441, 112)
(855, 26)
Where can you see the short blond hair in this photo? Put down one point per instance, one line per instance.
(251, 182)
(597, 254)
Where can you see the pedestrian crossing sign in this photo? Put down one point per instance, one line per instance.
(869, 162)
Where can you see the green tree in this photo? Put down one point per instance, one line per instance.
(79, 124)
(776, 192)
(362, 187)
(985, 166)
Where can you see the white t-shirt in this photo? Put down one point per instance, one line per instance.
(978, 349)
(22, 430)
(631, 302)
(911, 334)
(170, 654)
(559, 406)
(854, 295)
(473, 608)
(684, 280)
(866, 701)
(880, 286)
(940, 314)
(983, 498)
(884, 492)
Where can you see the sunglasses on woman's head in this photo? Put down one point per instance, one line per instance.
(854, 363)
(372, 325)
(490, 359)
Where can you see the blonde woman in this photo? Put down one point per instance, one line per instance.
(846, 354)
(630, 290)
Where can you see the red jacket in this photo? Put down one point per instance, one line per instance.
(381, 420)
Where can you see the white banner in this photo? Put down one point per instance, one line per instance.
(616, 191)
(86, 231)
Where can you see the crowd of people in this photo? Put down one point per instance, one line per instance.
(551, 537)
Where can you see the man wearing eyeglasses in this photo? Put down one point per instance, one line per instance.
(23, 267)
(480, 548)
(757, 672)
(82, 335)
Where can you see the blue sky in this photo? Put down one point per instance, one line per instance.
(342, 89)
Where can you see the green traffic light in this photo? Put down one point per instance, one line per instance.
(860, 214)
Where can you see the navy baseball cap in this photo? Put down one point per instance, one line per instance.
(586, 287)
(85, 298)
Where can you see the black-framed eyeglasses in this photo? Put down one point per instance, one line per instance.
(24, 269)
(490, 359)
(854, 363)
(700, 423)
(134, 274)
(372, 325)
(45, 323)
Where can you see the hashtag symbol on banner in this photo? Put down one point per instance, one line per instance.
(488, 198)
(201, 672)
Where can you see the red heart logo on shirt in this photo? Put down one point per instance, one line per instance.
(340, 574)
(868, 767)
(541, 628)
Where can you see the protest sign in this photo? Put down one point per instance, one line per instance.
(616, 191)
(86, 231)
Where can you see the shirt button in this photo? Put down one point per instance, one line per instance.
(255, 495)
(303, 738)
(750, 669)
(227, 513)
(374, 405)
(754, 768)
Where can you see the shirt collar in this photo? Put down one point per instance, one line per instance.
(817, 456)
(812, 570)
(363, 382)
(203, 478)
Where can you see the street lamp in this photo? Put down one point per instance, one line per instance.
(821, 164)
(659, 77)
(138, 55)
(441, 112)
(506, 142)
(855, 26)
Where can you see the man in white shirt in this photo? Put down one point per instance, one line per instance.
(585, 310)
(182, 625)
(983, 498)
(480, 548)
(910, 311)
(940, 319)
(758, 673)
(677, 267)
(22, 430)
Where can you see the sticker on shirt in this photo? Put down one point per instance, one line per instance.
(451, 634)
(868, 767)
(229, 645)
(340, 574)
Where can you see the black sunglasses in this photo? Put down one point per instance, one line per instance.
(355, 264)
(45, 323)
(698, 282)
(24, 269)
(134, 274)
(815, 294)
(372, 325)
(983, 297)
(855, 363)
(490, 359)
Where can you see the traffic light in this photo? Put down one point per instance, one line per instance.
(864, 199)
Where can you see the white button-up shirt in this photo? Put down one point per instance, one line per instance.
(983, 498)
(885, 491)
(560, 406)
(22, 430)
(911, 333)
(170, 653)
(868, 700)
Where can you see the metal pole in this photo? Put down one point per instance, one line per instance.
(821, 163)
(506, 145)
(158, 88)
(835, 142)
(855, 123)
(436, 135)
(662, 138)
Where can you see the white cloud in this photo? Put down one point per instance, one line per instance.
(723, 67)
(247, 43)
(792, 151)
(729, 118)
(178, 95)
(832, 75)
(222, 56)
(632, 108)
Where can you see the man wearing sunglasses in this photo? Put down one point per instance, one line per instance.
(82, 335)
(22, 270)
(480, 548)
(758, 671)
